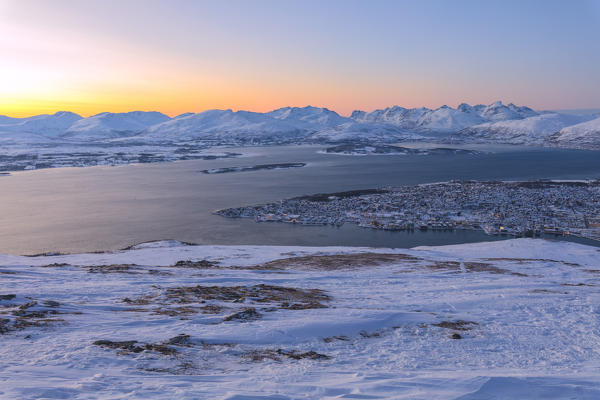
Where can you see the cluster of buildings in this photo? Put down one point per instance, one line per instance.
(499, 208)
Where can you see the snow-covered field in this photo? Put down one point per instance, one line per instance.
(501, 320)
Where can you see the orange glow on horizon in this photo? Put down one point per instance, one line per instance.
(90, 57)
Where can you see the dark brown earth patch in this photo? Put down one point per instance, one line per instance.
(133, 346)
(369, 335)
(113, 269)
(337, 261)
(577, 284)
(175, 312)
(458, 325)
(246, 315)
(334, 338)
(30, 314)
(187, 300)
(140, 301)
(547, 291)
(201, 264)
(286, 297)
(484, 267)
(280, 354)
(455, 266)
(528, 260)
(55, 265)
(211, 309)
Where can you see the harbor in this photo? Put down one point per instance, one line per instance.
(516, 209)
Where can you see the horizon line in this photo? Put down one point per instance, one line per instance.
(581, 109)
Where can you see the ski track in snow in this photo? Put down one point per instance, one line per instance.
(533, 304)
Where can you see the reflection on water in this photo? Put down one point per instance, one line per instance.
(107, 208)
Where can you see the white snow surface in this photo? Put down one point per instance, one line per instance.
(221, 124)
(312, 118)
(531, 130)
(585, 135)
(365, 131)
(43, 125)
(534, 305)
(448, 119)
(444, 119)
(494, 123)
(113, 125)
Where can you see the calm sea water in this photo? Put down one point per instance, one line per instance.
(107, 208)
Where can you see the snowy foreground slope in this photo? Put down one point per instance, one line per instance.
(502, 320)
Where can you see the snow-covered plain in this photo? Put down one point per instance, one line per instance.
(254, 322)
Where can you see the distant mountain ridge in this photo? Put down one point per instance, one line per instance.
(532, 130)
(493, 123)
(109, 125)
(43, 125)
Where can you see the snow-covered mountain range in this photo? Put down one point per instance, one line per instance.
(111, 125)
(38, 126)
(494, 123)
(533, 130)
(583, 135)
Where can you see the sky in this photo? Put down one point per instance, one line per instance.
(178, 56)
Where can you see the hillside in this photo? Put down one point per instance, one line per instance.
(511, 319)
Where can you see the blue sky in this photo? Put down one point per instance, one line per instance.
(184, 55)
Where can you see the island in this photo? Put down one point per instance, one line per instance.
(259, 167)
(362, 149)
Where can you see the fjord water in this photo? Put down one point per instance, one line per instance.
(109, 208)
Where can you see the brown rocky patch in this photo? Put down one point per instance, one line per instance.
(113, 269)
(337, 261)
(454, 266)
(528, 260)
(578, 284)
(201, 264)
(30, 314)
(246, 315)
(285, 297)
(334, 338)
(547, 291)
(133, 346)
(187, 300)
(55, 265)
(280, 354)
(458, 325)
